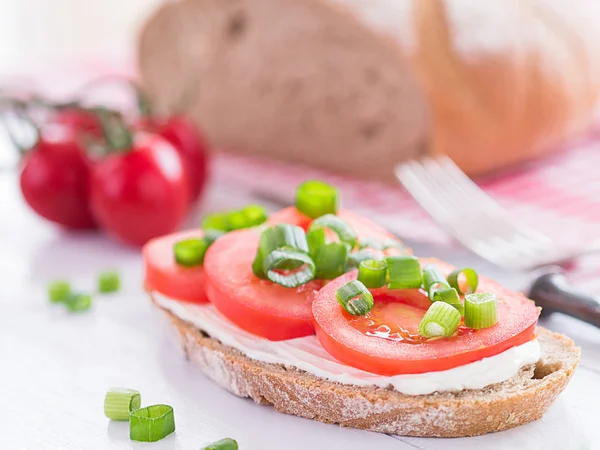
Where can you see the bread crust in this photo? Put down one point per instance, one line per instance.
(519, 400)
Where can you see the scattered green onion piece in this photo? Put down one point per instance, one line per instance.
(190, 252)
(372, 273)
(58, 290)
(152, 423)
(370, 242)
(480, 310)
(440, 320)
(330, 260)
(355, 258)
(449, 296)
(344, 231)
(433, 280)
(289, 267)
(275, 237)
(109, 282)
(78, 302)
(216, 221)
(470, 276)
(255, 215)
(315, 199)
(223, 444)
(404, 272)
(119, 402)
(355, 298)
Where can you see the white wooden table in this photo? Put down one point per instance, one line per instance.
(56, 367)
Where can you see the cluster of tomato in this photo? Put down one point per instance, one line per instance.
(134, 179)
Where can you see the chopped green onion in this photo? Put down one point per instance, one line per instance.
(440, 320)
(404, 272)
(289, 267)
(316, 239)
(449, 296)
(78, 302)
(152, 423)
(372, 273)
(119, 402)
(236, 219)
(223, 444)
(275, 237)
(315, 199)
(370, 242)
(480, 310)
(344, 231)
(433, 280)
(471, 278)
(58, 290)
(109, 282)
(355, 258)
(255, 215)
(216, 221)
(190, 252)
(330, 260)
(355, 298)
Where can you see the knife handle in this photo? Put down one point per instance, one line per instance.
(553, 293)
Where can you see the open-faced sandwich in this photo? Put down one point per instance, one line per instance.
(324, 314)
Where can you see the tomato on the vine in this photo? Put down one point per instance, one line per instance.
(187, 139)
(54, 181)
(142, 192)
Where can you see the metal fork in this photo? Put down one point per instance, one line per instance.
(476, 220)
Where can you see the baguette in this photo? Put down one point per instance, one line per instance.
(521, 399)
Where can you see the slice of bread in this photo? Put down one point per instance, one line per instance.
(516, 401)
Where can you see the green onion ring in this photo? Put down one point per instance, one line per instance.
(315, 199)
(119, 402)
(330, 260)
(450, 296)
(440, 320)
(404, 272)
(152, 423)
(471, 277)
(355, 298)
(344, 231)
(481, 310)
(372, 273)
(287, 258)
(222, 444)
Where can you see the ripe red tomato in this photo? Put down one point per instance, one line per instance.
(386, 341)
(54, 181)
(164, 275)
(140, 194)
(188, 141)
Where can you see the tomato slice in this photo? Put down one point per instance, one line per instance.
(164, 275)
(258, 306)
(385, 342)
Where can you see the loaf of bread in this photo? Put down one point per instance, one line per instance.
(355, 86)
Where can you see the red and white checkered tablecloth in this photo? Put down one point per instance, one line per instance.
(559, 196)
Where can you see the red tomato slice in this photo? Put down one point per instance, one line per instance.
(385, 342)
(258, 306)
(164, 275)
